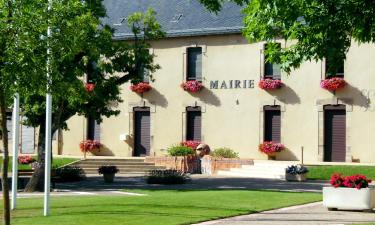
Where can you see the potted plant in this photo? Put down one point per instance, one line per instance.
(349, 193)
(333, 83)
(140, 87)
(270, 84)
(296, 173)
(270, 149)
(193, 86)
(108, 173)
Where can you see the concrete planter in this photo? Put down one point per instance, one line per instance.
(348, 198)
(295, 177)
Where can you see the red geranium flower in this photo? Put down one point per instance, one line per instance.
(141, 87)
(90, 87)
(269, 148)
(270, 84)
(192, 86)
(333, 84)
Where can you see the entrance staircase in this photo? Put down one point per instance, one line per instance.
(266, 169)
(128, 167)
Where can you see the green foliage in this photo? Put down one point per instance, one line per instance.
(224, 153)
(166, 177)
(215, 5)
(69, 174)
(325, 172)
(56, 163)
(162, 207)
(180, 151)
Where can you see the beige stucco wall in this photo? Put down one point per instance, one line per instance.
(233, 117)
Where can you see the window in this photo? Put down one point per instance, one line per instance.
(271, 70)
(193, 124)
(272, 123)
(146, 75)
(194, 64)
(93, 129)
(339, 70)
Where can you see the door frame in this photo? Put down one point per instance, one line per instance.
(320, 103)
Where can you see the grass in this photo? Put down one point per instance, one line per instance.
(325, 172)
(57, 162)
(160, 207)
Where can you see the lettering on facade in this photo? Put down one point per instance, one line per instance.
(231, 84)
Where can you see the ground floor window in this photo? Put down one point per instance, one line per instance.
(272, 123)
(93, 129)
(194, 123)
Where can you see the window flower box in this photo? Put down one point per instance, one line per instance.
(269, 148)
(192, 86)
(270, 84)
(333, 84)
(141, 87)
(91, 146)
(349, 193)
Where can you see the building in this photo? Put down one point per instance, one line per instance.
(232, 111)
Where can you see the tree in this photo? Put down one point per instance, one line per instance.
(15, 63)
(84, 52)
(315, 29)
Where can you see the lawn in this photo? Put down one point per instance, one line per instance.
(325, 172)
(164, 207)
(57, 162)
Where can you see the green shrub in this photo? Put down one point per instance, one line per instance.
(166, 177)
(224, 153)
(180, 151)
(69, 174)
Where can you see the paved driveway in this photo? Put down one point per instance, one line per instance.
(309, 214)
(197, 182)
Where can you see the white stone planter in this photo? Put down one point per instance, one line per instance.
(295, 177)
(348, 198)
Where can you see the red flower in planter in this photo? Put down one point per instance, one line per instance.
(333, 84)
(89, 87)
(270, 84)
(141, 87)
(270, 148)
(355, 181)
(192, 86)
(191, 144)
(337, 180)
(89, 145)
(25, 159)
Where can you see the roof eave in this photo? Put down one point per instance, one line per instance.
(185, 33)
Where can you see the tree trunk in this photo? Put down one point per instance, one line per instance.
(4, 175)
(36, 182)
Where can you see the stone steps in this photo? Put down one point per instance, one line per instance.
(130, 167)
(260, 169)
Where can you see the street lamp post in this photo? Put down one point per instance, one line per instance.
(16, 125)
(47, 170)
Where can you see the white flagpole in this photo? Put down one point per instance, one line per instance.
(16, 125)
(47, 175)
